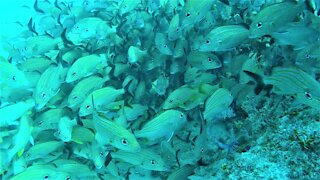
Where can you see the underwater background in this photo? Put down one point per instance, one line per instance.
(159, 89)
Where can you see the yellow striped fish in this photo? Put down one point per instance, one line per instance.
(164, 125)
(146, 159)
(217, 105)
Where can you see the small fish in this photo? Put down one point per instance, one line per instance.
(10, 113)
(224, 38)
(82, 135)
(49, 119)
(309, 100)
(136, 55)
(183, 97)
(75, 169)
(182, 172)
(160, 85)
(40, 171)
(11, 76)
(292, 81)
(193, 12)
(48, 85)
(204, 60)
(22, 137)
(146, 159)
(174, 29)
(90, 28)
(65, 127)
(272, 17)
(108, 132)
(102, 97)
(40, 45)
(41, 150)
(163, 44)
(98, 154)
(83, 88)
(132, 112)
(85, 66)
(39, 64)
(297, 35)
(163, 125)
(128, 5)
(217, 105)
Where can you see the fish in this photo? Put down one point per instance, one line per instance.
(136, 55)
(41, 171)
(297, 35)
(40, 45)
(182, 172)
(163, 44)
(76, 170)
(41, 150)
(49, 119)
(127, 6)
(163, 125)
(48, 85)
(224, 38)
(85, 66)
(272, 17)
(82, 135)
(83, 88)
(102, 97)
(217, 106)
(98, 154)
(10, 113)
(65, 126)
(203, 60)
(108, 132)
(38, 64)
(133, 111)
(90, 28)
(193, 12)
(290, 81)
(183, 97)
(22, 137)
(11, 76)
(174, 29)
(146, 159)
(160, 85)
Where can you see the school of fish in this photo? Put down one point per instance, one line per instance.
(117, 89)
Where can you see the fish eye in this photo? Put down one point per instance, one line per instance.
(153, 162)
(88, 106)
(43, 94)
(74, 97)
(14, 78)
(165, 46)
(40, 122)
(87, 30)
(307, 56)
(259, 25)
(46, 177)
(74, 73)
(188, 14)
(124, 141)
(101, 154)
(207, 42)
(68, 178)
(77, 27)
(209, 59)
(177, 29)
(181, 115)
(308, 95)
(170, 101)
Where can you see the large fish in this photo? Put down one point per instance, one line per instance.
(224, 38)
(163, 125)
(272, 17)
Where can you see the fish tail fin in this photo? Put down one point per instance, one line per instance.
(258, 79)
